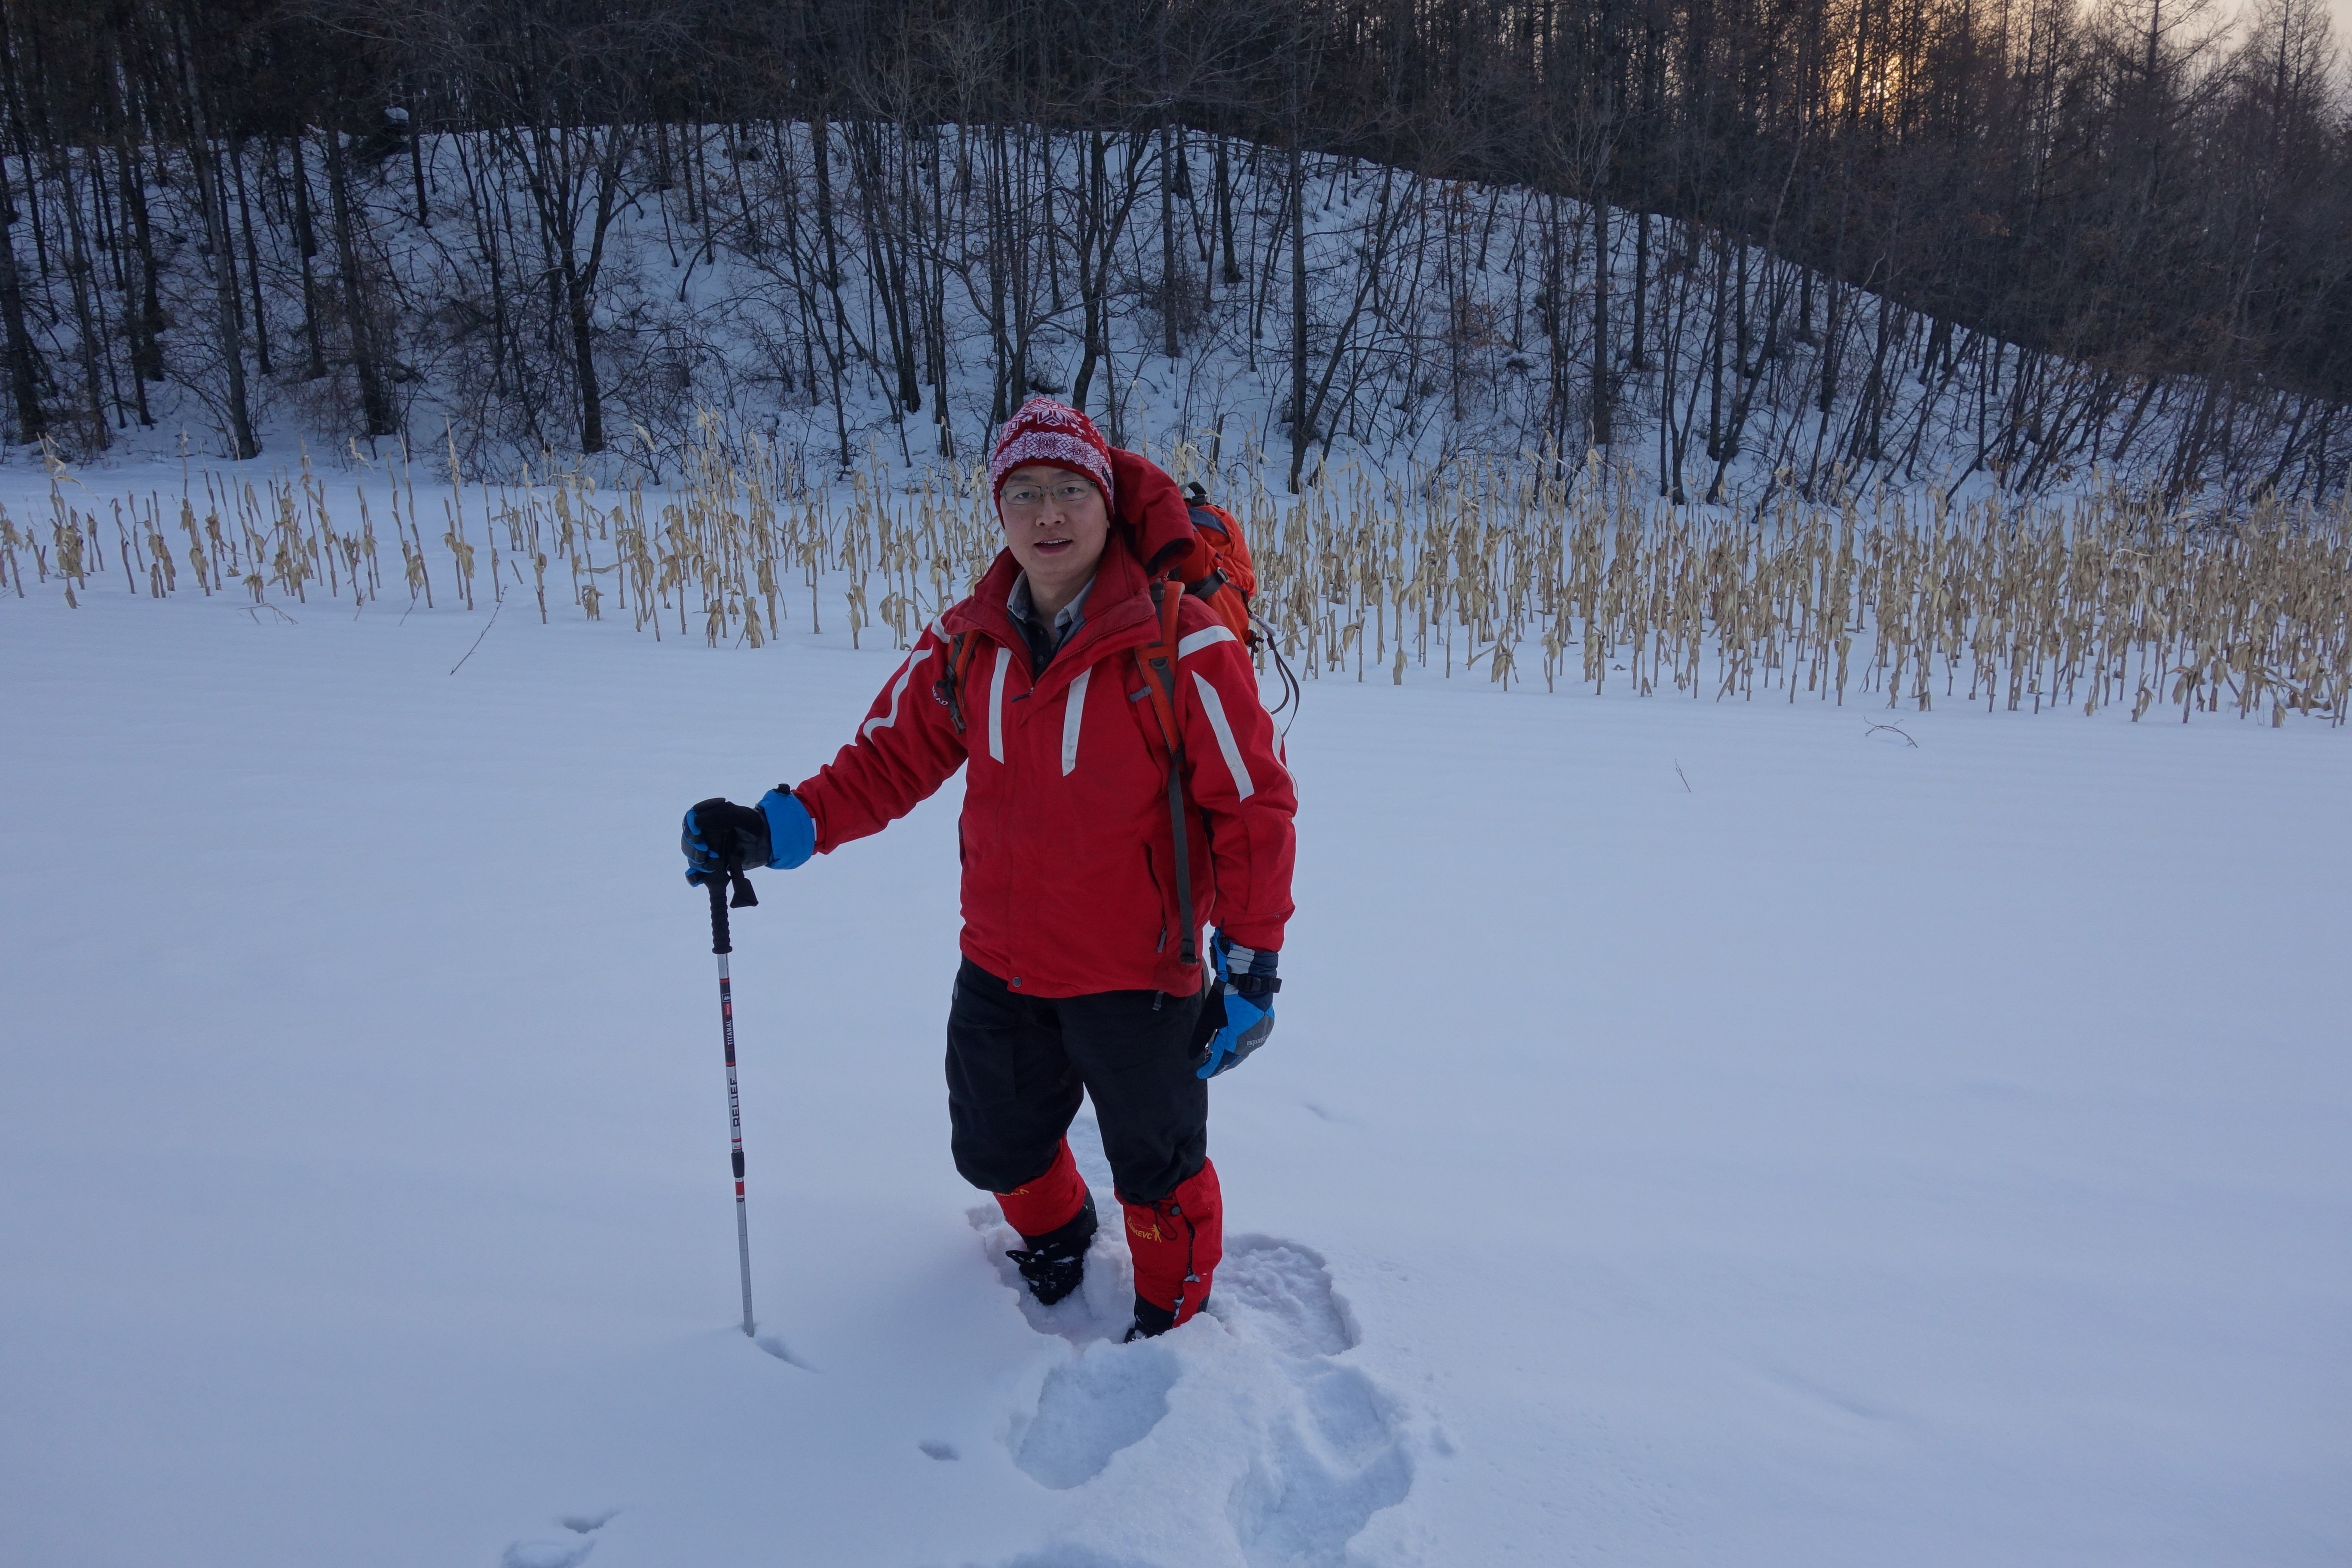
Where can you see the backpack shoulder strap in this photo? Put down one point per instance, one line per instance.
(1158, 660)
(962, 648)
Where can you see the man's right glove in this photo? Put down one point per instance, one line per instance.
(1246, 982)
(721, 837)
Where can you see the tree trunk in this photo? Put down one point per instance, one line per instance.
(213, 198)
(375, 399)
(821, 155)
(306, 243)
(416, 163)
(1638, 359)
(888, 214)
(1168, 295)
(1601, 410)
(1299, 433)
(583, 353)
(146, 306)
(24, 368)
(1225, 214)
(1554, 315)
(997, 206)
(79, 272)
(252, 258)
(1094, 183)
(212, 195)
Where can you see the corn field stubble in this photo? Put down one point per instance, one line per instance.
(1502, 572)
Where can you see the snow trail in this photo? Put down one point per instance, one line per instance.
(1309, 1449)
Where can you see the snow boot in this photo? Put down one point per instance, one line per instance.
(1177, 1243)
(1151, 1323)
(1054, 1264)
(1056, 1216)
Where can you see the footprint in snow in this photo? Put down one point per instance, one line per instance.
(1335, 1454)
(588, 1523)
(546, 1554)
(1110, 1398)
(1334, 1459)
(1323, 1448)
(559, 1554)
(1279, 1293)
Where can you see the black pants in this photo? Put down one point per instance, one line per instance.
(1016, 1066)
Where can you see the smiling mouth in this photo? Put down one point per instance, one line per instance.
(1049, 546)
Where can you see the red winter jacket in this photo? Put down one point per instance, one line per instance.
(1067, 853)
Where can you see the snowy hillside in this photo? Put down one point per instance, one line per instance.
(901, 287)
(1696, 1134)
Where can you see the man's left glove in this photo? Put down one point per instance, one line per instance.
(1246, 982)
(721, 835)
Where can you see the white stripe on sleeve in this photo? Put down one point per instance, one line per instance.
(1187, 646)
(1071, 715)
(1214, 708)
(897, 689)
(996, 706)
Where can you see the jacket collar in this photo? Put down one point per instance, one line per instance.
(1118, 613)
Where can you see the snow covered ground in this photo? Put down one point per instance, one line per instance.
(1694, 1134)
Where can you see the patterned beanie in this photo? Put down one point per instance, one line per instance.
(1045, 431)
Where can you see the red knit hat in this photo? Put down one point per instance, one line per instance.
(1045, 431)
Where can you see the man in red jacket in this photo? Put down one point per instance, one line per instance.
(1082, 900)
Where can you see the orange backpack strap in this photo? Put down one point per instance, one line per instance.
(1158, 662)
(947, 690)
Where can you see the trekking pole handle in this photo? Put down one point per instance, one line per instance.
(719, 882)
(721, 940)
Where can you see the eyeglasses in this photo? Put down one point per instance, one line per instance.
(1029, 498)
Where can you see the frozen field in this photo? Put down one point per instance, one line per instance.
(1695, 1134)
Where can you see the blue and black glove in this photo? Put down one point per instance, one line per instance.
(1243, 999)
(721, 837)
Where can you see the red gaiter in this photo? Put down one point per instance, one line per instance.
(1177, 1243)
(1045, 1205)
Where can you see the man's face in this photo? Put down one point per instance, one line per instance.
(1056, 525)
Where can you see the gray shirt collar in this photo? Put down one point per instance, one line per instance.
(1066, 621)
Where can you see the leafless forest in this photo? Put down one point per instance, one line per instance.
(1742, 248)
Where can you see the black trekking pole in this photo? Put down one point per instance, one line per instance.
(721, 944)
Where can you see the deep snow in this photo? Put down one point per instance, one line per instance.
(1861, 1153)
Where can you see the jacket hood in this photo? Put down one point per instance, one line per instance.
(1157, 521)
